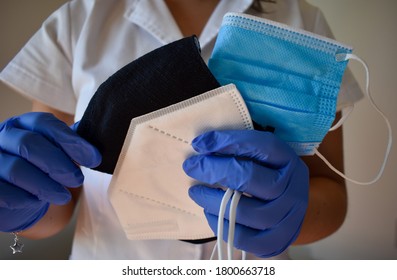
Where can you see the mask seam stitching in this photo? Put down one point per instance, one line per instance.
(156, 201)
(168, 134)
(245, 118)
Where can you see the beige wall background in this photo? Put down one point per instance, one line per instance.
(19, 19)
(370, 230)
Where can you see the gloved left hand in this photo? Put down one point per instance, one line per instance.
(274, 179)
(39, 158)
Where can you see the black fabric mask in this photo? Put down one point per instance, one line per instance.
(164, 76)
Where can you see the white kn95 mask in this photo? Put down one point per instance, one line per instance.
(149, 189)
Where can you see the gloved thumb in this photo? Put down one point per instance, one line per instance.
(75, 126)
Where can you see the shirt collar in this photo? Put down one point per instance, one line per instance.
(225, 6)
(154, 17)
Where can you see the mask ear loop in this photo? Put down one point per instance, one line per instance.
(235, 198)
(232, 223)
(345, 114)
(226, 197)
(344, 57)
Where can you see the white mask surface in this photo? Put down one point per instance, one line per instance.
(149, 189)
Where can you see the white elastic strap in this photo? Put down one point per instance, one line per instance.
(213, 252)
(232, 223)
(243, 255)
(343, 57)
(345, 114)
(226, 197)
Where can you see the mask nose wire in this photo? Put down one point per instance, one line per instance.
(344, 57)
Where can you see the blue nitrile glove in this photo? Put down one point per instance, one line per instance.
(274, 179)
(38, 160)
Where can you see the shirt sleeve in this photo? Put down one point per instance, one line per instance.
(42, 70)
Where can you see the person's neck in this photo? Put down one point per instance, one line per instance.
(191, 16)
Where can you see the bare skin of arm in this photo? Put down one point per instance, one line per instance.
(327, 198)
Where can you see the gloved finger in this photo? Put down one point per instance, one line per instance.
(59, 133)
(75, 126)
(250, 212)
(12, 197)
(262, 243)
(15, 220)
(237, 174)
(259, 145)
(42, 153)
(21, 173)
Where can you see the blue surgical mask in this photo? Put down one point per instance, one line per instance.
(289, 78)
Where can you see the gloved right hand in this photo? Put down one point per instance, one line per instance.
(274, 180)
(39, 157)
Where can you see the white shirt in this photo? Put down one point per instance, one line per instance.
(86, 41)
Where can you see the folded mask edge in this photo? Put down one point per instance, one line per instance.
(331, 43)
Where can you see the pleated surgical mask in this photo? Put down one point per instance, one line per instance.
(149, 172)
(289, 78)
